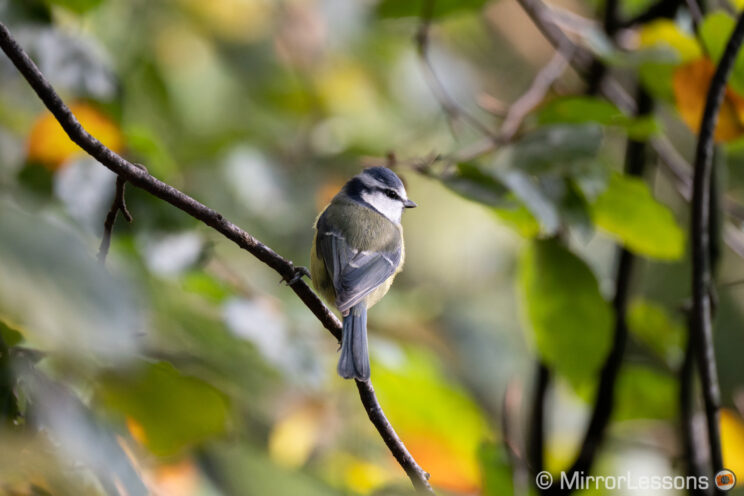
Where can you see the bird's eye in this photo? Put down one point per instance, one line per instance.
(390, 193)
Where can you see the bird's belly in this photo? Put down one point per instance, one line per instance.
(379, 292)
(320, 278)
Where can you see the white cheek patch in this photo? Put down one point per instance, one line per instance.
(390, 208)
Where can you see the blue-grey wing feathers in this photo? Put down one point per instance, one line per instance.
(354, 273)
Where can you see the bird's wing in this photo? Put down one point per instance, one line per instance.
(355, 273)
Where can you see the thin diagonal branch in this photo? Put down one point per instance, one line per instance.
(451, 109)
(142, 179)
(533, 96)
(701, 325)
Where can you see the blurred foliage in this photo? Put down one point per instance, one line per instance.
(182, 367)
(570, 320)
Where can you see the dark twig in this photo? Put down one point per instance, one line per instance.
(536, 434)
(635, 160)
(9, 411)
(533, 96)
(691, 451)
(701, 326)
(419, 478)
(663, 9)
(140, 178)
(118, 204)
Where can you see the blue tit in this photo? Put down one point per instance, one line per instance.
(356, 253)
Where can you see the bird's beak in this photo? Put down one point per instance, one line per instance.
(409, 204)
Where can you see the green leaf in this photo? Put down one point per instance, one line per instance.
(657, 78)
(642, 128)
(207, 286)
(10, 336)
(89, 315)
(528, 181)
(241, 468)
(530, 191)
(174, 410)
(644, 393)
(715, 31)
(557, 148)
(583, 109)
(520, 219)
(470, 182)
(578, 109)
(571, 323)
(496, 470)
(397, 8)
(653, 326)
(79, 6)
(630, 214)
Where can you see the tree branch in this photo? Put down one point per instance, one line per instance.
(663, 9)
(691, 452)
(142, 179)
(701, 326)
(536, 435)
(449, 106)
(533, 96)
(117, 204)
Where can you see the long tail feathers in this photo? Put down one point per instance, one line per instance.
(354, 360)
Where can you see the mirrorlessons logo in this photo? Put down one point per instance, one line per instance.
(724, 480)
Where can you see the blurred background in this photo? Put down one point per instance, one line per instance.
(183, 366)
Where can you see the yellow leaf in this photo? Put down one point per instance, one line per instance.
(136, 430)
(49, 145)
(234, 20)
(666, 32)
(293, 438)
(364, 477)
(732, 444)
(345, 88)
(691, 82)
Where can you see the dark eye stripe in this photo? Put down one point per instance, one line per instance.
(391, 193)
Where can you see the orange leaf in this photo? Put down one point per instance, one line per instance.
(690, 83)
(178, 479)
(49, 145)
(448, 471)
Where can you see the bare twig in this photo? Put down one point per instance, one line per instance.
(118, 204)
(533, 96)
(142, 179)
(701, 326)
(536, 434)
(452, 111)
(691, 450)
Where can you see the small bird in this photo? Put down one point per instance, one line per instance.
(356, 253)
